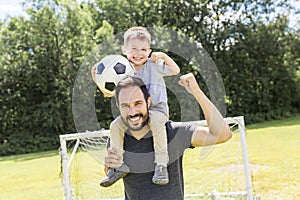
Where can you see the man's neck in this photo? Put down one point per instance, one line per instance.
(141, 133)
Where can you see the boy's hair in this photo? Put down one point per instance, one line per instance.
(129, 81)
(137, 32)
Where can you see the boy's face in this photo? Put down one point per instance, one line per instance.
(137, 51)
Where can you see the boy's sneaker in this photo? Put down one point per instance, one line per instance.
(161, 176)
(114, 175)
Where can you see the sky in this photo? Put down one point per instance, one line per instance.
(13, 8)
(10, 7)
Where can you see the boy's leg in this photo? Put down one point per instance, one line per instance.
(158, 128)
(117, 131)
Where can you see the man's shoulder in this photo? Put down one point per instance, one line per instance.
(174, 128)
(171, 125)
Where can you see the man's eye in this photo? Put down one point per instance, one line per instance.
(133, 49)
(138, 103)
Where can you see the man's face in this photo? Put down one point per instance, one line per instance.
(137, 51)
(133, 107)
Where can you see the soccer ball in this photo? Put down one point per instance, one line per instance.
(110, 70)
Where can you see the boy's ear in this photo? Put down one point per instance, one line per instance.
(149, 100)
(124, 50)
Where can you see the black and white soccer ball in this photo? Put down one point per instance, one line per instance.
(110, 70)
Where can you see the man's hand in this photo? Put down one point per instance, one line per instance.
(112, 159)
(188, 81)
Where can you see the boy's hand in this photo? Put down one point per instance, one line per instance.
(93, 73)
(163, 59)
(158, 57)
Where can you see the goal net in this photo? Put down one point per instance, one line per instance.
(216, 172)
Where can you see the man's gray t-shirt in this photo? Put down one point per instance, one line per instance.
(152, 74)
(139, 156)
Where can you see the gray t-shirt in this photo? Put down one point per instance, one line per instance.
(152, 74)
(139, 156)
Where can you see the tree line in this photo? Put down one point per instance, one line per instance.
(257, 56)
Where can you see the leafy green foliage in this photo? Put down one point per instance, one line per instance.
(268, 83)
(40, 59)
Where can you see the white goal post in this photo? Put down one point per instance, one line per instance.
(67, 158)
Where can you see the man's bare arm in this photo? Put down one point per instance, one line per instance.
(217, 130)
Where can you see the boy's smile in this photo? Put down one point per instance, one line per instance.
(137, 51)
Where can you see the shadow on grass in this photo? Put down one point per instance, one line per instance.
(30, 156)
(291, 121)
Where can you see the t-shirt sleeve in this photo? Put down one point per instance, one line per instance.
(180, 138)
(165, 70)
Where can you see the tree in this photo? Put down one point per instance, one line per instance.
(245, 40)
(40, 59)
(46, 58)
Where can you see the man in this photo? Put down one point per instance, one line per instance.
(133, 101)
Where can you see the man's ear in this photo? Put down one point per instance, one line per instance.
(149, 100)
(149, 56)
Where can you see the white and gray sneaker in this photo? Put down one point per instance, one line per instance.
(114, 175)
(161, 176)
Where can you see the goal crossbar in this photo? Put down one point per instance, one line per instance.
(66, 160)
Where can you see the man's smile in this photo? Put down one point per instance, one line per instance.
(135, 118)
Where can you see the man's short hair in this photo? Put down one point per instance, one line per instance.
(137, 32)
(129, 81)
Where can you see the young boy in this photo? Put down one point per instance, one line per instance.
(151, 70)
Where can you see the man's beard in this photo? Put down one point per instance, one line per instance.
(145, 119)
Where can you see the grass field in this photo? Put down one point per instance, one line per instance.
(273, 151)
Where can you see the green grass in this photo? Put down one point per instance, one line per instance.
(273, 151)
(32, 176)
(275, 146)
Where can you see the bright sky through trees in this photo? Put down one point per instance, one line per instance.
(14, 8)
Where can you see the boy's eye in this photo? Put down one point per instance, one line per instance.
(136, 49)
